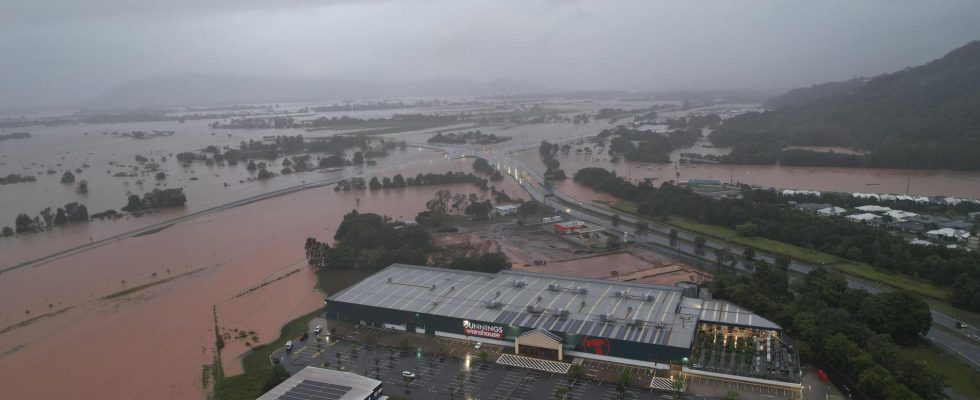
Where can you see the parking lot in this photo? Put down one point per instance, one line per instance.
(458, 374)
(594, 367)
(720, 387)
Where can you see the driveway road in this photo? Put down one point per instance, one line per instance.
(966, 344)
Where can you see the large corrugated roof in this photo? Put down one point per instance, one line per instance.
(312, 383)
(723, 312)
(591, 307)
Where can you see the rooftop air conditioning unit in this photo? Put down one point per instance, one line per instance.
(562, 313)
(554, 287)
(651, 297)
(533, 309)
(581, 290)
(619, 294)
(520, 283)
(494, 304)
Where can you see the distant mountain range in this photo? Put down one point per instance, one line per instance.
(922, 117)
(202, 90)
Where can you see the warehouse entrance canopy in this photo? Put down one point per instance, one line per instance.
(539, 343)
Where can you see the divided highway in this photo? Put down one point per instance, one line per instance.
(657, 238)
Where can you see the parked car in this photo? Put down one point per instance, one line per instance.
(318, 330)
(304, 336)
(478, 345)
(408, 374)
(289, 345)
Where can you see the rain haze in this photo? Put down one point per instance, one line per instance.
(60, 53)
(495, 199)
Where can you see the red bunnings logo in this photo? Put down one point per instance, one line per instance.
(598, 346)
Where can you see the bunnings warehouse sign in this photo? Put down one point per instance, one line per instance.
(483, 330)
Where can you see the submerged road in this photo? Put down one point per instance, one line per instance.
(165, 224)
(963, 343)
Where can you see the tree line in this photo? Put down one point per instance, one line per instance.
(14, 135)
(548, 152)
(372, 242)
(71, 213)
(856, 333)
(765, 214)
(482, 166)
(475, 137)
(429, 179)
(279, 146)
(647, 146)
(16, 178)
(155, 199)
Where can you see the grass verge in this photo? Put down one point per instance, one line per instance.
(730, 235)
(859, 270)
(258, 372)
(961, 377)
(769, 245)
(962, 315)
(868, 272)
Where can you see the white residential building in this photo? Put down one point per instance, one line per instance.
(948, 233)
(866, 217)
(872, 208)
(505, 209)
(865, 195)
(831, 211)
(899, 215)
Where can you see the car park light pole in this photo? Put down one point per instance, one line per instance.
(325, 326)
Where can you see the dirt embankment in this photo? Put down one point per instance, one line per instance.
(534, 248)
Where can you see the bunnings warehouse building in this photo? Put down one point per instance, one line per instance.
(555, 316)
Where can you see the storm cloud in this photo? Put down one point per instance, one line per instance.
(60, 52)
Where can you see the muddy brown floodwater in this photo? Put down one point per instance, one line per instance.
(70, 331)
(867, 180)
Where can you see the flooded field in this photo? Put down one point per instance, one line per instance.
(133, 319)
(894, 181)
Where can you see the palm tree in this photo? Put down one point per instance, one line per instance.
(678, 386)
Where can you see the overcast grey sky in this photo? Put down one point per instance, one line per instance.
(63, 51)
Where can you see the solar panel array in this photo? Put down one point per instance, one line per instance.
(313, 390)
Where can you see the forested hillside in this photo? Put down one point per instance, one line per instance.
(922, 117)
